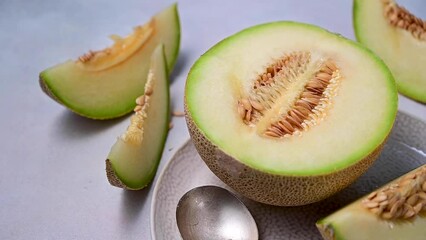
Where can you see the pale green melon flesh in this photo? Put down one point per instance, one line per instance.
(111, 92)
(404, 54)
(359, 121)
(135, 164)
(356, 222)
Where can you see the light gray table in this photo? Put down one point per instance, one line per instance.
(52, 180)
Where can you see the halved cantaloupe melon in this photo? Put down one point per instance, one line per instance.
(288, 113)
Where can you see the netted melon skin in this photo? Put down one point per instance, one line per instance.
(112, 178)
(278, 190)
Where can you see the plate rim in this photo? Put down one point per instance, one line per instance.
(156, 187)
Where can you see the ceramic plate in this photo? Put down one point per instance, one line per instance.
(404, 151)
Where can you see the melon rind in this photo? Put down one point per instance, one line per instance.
(279, 190)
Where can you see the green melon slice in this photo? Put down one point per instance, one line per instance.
(403, 47)
(358, 221)
(273, 65)
(133, 159)
(104, 84)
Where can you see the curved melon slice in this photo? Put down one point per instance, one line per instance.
(399, 38)
(287, 113)
(104, 84)
(133, 159)
(395, 211)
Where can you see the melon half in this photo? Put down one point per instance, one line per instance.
(288, 113)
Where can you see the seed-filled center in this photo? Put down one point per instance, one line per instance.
(122, 49)
(404, 199)
(291, 96)
(400, 17)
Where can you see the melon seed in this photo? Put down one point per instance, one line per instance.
(413, 199)
(148, 90)
(178, 114)
(422, 195)
(246, 104)
(380, 198)
(140, 100)
(371, 204)
(137, 108)
(241, 110)
(87, 56)
(256, 105)
(418, 207)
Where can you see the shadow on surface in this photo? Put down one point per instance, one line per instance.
(71, 125)
(179, 66)
(131, 205)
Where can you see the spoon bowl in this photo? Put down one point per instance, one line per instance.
(211, 212)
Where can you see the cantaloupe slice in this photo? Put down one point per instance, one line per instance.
(133, 159)
(395, 211)
(104, 84)
(399, 38)
(288, 113)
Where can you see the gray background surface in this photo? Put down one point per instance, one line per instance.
(52, 179)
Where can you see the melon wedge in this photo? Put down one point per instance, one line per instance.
(288, 113)
(134, 158)
(400, 43)
(358, 221)
(104, 84)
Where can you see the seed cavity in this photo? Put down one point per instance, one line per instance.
(291, 96)
(122, 48)
(134, 133)
(404, 199)
(400, 17)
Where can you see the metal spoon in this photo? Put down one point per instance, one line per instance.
(211, 212)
